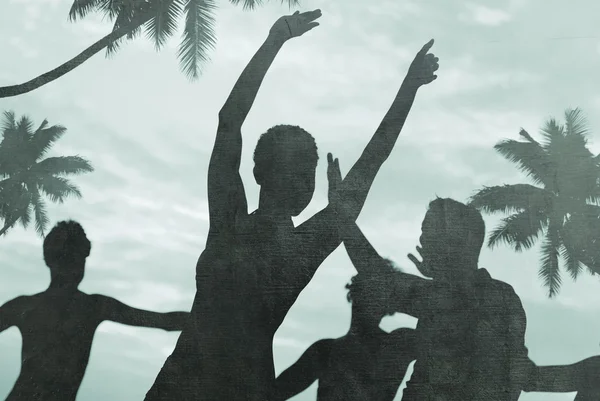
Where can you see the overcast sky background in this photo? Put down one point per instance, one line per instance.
(148, 131)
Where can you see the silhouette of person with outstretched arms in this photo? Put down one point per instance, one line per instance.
(367, 363)
(255, 265)
(471, 329)
(58, 325)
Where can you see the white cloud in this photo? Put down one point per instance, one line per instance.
(395, 10)
(485, 15)
(26, 50)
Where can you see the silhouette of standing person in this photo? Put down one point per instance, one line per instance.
(255, 265)
(58, 325)
(367, 363)
(471, 327)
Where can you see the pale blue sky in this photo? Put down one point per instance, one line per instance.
(149, 131)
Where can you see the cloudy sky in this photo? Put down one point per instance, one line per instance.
(149, 131)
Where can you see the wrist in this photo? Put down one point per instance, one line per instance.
(410, 84)
(275, 39)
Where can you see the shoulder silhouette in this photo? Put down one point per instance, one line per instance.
(58, 324)
(256, 264)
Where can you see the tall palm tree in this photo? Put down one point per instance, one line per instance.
(25, 175)
(562, 208)
(159, 19)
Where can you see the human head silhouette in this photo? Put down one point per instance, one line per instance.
(285, 163)
(65, 249)
(452, 235)
(370, 295)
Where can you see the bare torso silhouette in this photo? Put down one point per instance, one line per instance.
(254, 266)
(57, 327)
(252, 279)
(366, 369)
(471, 342)
(369, 366)
(57, 331)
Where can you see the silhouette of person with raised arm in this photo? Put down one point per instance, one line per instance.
(367, 363)
(471, 330)
(255, 265)
(58, 325)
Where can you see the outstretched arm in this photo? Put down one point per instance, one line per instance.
(583, 377)
(408, 289)
(319, 234)
(364, 257)
(226, 197)
(116, 311)
(304, 372)
(9, 313)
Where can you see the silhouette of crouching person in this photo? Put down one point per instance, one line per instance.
(58, 324)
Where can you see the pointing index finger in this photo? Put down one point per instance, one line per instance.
(426, 47)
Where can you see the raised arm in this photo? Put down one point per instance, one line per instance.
(407, 290)
(319, 233)
(353, 190)
(304, 372)
(226, 197)
(116, 311)
(9, 313)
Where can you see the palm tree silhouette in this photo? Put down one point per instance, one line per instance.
(562, 207)
(25, 175)
(159, 20)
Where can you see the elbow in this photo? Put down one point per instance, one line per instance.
(229, 120)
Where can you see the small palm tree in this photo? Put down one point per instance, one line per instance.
(159, 19)
(562, 208)
(26, 176)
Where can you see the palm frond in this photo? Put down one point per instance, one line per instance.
(247, 4)
(291, 3)
(58, 188)
(575, 123)
(512, 198)
(572, 263)
(25, 217)
(162, 26)
(25, 127)
(44, 137)
(127, 13)
(39, 209)
(81, 8)
(531, 158)
(9, 121)
(62, 165)
(198, 36)
(553, 134)
(520, 230)
(527, 137)
(549, 270)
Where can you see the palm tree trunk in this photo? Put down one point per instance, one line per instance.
(15, 90)
(8, 225)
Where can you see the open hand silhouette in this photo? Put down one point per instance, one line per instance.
(334, 177)
(297, 24)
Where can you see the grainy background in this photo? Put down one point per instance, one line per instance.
(149, 132)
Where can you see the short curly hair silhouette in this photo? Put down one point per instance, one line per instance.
(270, 151)
(378, 287)
(65, 244)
